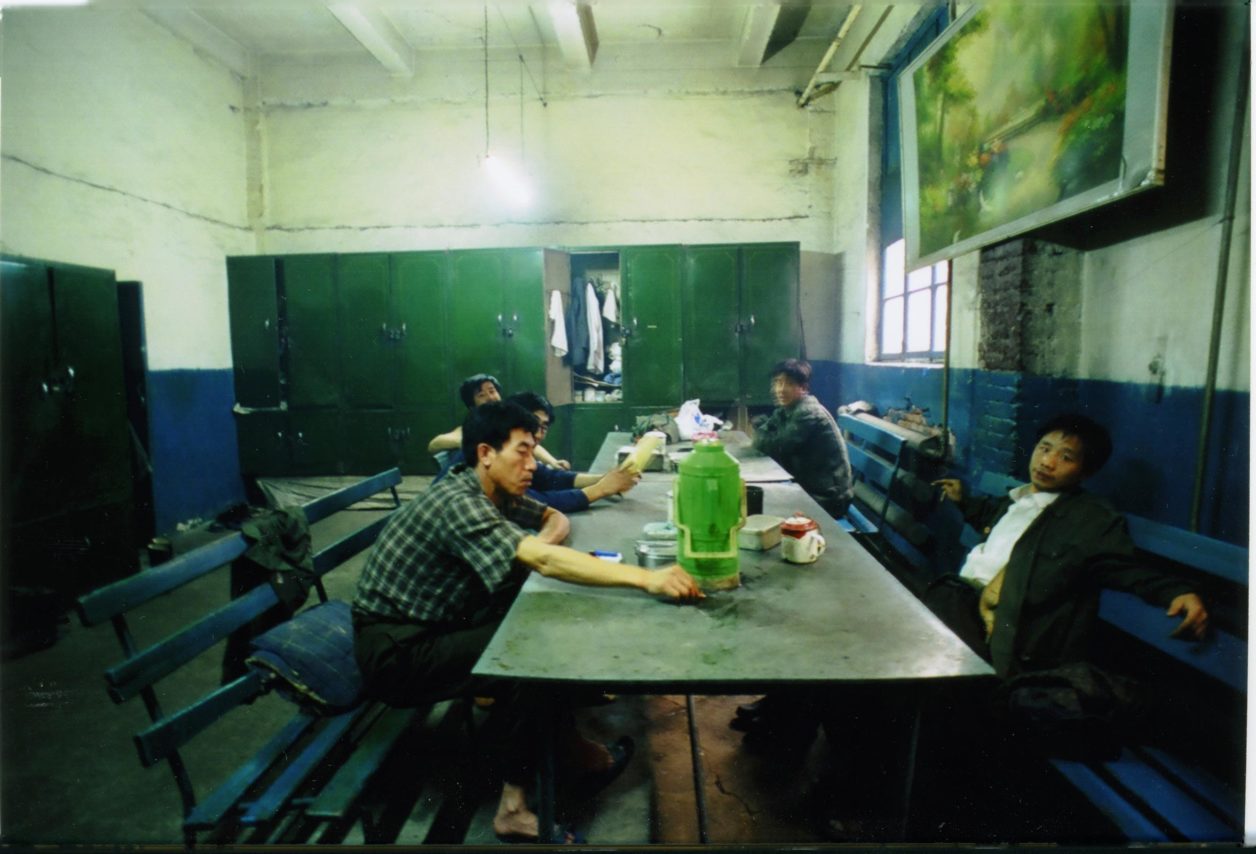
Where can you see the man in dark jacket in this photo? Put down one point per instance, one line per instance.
(802, 436)
(1028, 596)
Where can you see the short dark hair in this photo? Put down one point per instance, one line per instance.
(472, 384)
(492, 423)
(798, 371)
(1094, 437)
(532, 402)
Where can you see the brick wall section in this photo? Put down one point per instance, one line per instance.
(1000, 280)
(997, 413)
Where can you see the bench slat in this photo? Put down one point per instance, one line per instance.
(321, 508)
(1222, 559)
(872, 434)
(122, 596)
(158, 741)
(1180, 809)
(1221, 656)
(1131, 822)
(1225, 802)
(338, 795)
(871, 466)
(166, 656)
(270, 802)
(340, 551)
(209, 811)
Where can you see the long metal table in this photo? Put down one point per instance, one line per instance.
(843, 619)
(755, 467)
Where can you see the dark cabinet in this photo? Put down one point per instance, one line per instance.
(740, 308)
(254, 318)
(496, 316)
(311, 340)
(651, 325)
(67, 480)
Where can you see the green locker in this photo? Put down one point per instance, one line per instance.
(651, 325)
(310, 307)
(710, 307)
(589, 425)
(265, 450)
(770, 321)
(558, 440)
(420, 284)
(368, 336)
(253, 307)
(375, 440)
(524, 316)
(317, 442)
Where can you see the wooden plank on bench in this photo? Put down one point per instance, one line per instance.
(1222, 559)
(346, 547)
(209, 811)
(1129, 820)
(1225, 802)
(270, 802)
(321, 508)
(340, 792)
(133, 674)
(1221, 655)
(163, 737)
(122, 596)
(1178, 807)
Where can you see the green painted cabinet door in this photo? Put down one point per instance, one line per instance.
(420, 286)
(589, 425)
(253, 309)
(651, 324)
(312, 352)
(32, 410)
(368, 338)
(476, 316)
(770, 322)
(524, 319)
(317, 442)
(710, 308)
(265, 449)
(89, 349)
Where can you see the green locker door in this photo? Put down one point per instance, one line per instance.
(32, 410)
(772, 327)
(420, 287)
(370, 441)
(317, 442)
(312, 355)
(253, 306)
(265, 449)
(710, 323)
(524, 319)
(476, 317)
(89, 350)
(416, 429)
(651, 321)
(589, 425)
(368, 335)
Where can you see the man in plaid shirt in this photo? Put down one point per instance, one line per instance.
(443, 574)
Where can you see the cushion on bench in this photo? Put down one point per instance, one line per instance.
(312, 654)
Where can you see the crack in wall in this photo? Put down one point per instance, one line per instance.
(745, 805)
(296, 229)
(106, 188)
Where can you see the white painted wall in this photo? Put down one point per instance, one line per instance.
(122, 148)
(356, 160)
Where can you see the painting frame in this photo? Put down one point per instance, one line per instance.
(944, 211)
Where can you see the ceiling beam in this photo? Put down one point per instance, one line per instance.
(204, 37)
(756, 33)
(375, 33)
(576, 31)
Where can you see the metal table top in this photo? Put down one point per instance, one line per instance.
(843, 618)
(756, 467)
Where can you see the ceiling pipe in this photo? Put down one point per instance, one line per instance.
(805, 97)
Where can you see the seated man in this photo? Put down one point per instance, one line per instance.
(447, 447)
(568, 491)
(442, 575)
(1027, 600)
(802, 436)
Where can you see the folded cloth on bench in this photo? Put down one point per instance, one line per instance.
(312, 654)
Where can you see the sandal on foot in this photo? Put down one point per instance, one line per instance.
(621, 752)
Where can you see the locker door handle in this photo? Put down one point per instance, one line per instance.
(266, 324)
(752, 321)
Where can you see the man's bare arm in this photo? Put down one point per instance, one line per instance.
(576, 567)
(446, 441)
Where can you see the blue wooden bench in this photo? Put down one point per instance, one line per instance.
(1149, 793)
(312, 768)
(888, 494)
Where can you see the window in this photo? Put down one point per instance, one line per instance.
(911, 320)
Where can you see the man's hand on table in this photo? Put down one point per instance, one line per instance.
(673, 583)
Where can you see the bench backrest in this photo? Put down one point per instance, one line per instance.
(142, 667)
(882, 481)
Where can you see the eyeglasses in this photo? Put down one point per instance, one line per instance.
(545, 425)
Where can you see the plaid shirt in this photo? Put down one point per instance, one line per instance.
(445, 553)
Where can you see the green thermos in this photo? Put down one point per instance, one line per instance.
(709, 506)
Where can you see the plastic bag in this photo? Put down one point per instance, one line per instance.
(690, 420)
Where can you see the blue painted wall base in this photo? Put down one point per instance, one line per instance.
(1155, 431)
(196, 464)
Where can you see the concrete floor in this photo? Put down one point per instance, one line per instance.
(70, 773)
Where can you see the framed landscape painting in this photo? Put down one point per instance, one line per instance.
(1021, 114)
